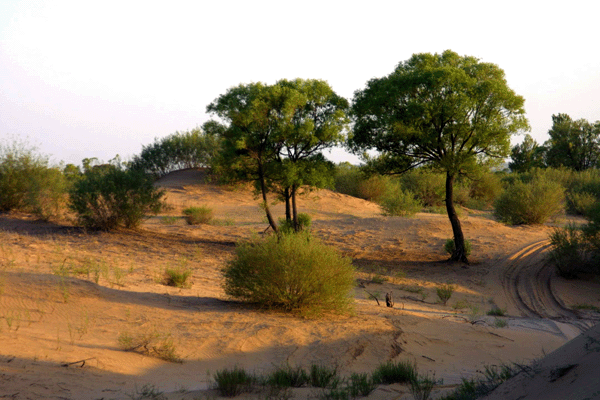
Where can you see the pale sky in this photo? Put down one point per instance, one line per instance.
(82, 79)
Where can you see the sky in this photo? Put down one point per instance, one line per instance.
(82, 79)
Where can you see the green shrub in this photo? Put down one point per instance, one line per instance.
(429, 187)
(293, 272)
(573, 252)
(361, 385)
(444, 292)
(391, 372)
(346, 179)
(449, 247)
(231, 383)
(483, 190)
(192, 149)
(324, 377)
(530, 203)
(28, 183)
(109, 196)
(399, 202)
(154, 344)
(198, 215)
(287, 227)
(286, 376)
(177, 277)
(421, 387)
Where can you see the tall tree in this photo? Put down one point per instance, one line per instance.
(319, 122)
(573, 144)
(526, 155)
(274, 136)
(451, 112)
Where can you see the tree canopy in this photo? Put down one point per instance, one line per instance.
(573, 144)
(191, 149)
(446, 111)
(526, 155)
(274, 134)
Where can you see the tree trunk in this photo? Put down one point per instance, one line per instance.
(295, 210)
(459, 253)
(263, 189)
(288, 205)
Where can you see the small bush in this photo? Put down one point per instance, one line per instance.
(444, 292)
(231, 383)
(398, 202)
(293, 272)
(28, 183)
(153, 344)
(497, 311)
(581, 203)
(286, 376)
(109, 196)
(573, 252)
(177, 277)
(198, 215)
(429, 187)
(449, 247)
(421, 387)
(287, 227)
(390, 372)
(361, 385)
(530, 203)
(324, 377)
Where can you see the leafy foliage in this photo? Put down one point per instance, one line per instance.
(198, 215)
(573, 144)
(274, 135)
(444, 292)
(527, 155)
(531, 202)
(450, 112)
(29, 183)
(192, 149)
(109, 196)
(395, 372)
(232, 382)
(291, 272)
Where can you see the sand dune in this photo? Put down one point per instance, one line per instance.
(68, 295)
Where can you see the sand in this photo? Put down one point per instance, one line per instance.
(67, 296)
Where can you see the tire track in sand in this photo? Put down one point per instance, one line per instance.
(526, 279)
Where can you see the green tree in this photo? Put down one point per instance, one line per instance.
(191, 149)
(573, 144)
(526, 155)
(274, 135)
(451, 112)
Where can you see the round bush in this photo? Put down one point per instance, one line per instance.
(449, 247)
(293, 272)
(400, 203)
(108, 196)
(530, 203)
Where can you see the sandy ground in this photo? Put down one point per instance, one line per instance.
(67, 296)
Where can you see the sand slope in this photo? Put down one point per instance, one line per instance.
(68, 295)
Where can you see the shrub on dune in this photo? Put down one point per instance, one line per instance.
(292, 272)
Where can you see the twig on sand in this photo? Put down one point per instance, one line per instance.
(77, 362)
(373, 296)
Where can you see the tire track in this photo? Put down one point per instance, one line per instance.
(527, 283)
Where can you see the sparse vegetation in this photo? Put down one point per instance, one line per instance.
(177, 277)
(109, 196)
(444, 292)
(449, 247)
(530, 203)
(198, 215)
(153, 343)
(293, 272)
(232, 382)
(395, 372)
